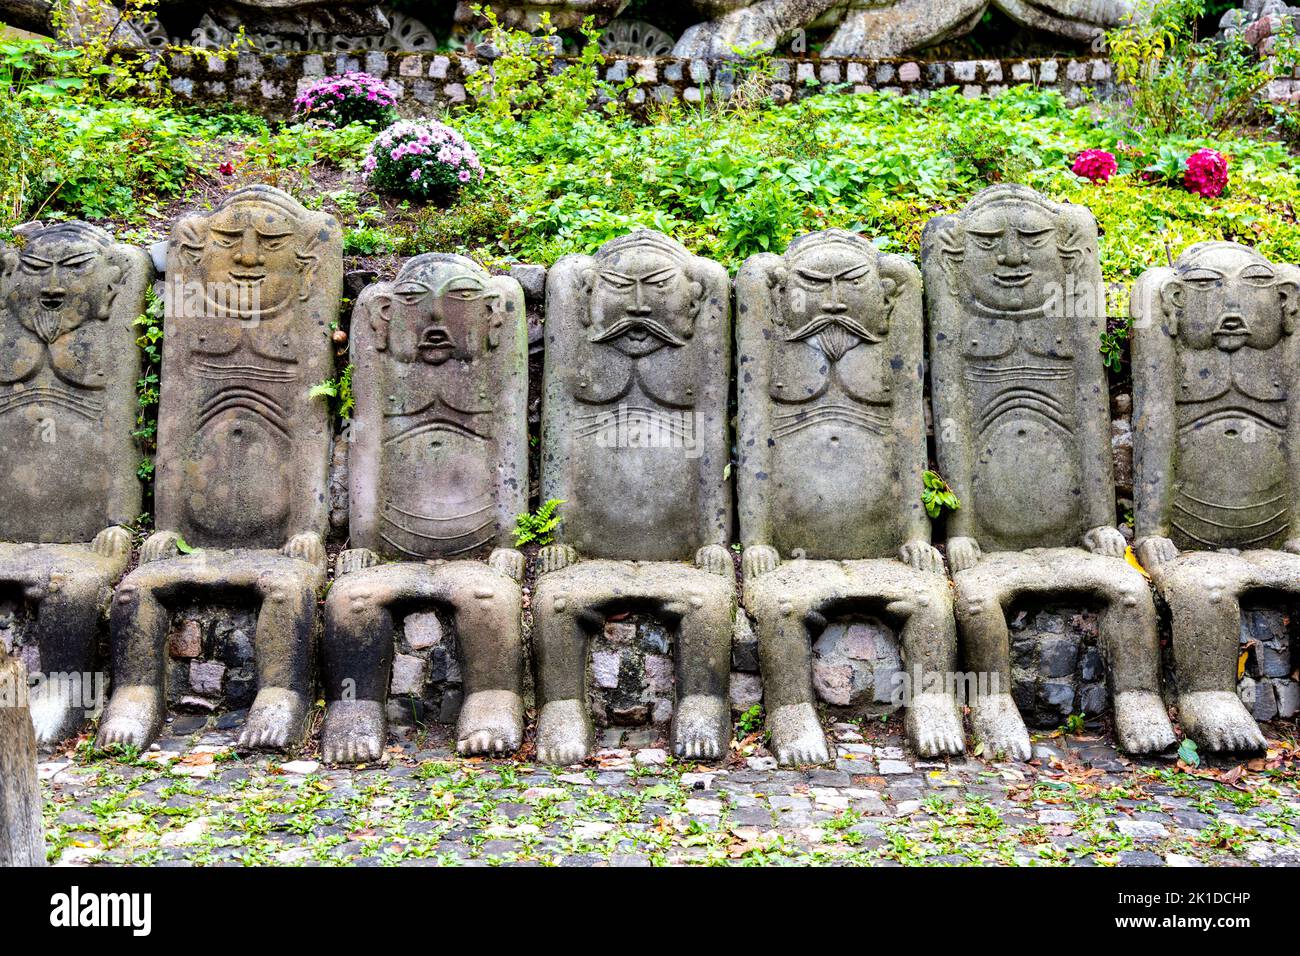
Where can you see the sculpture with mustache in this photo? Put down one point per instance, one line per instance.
(629, 324)
(835, 334)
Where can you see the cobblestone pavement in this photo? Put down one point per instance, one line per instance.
(193, 800)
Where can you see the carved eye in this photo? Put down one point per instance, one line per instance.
(857, 276)
(225, 240)
(412, 293)
(1258, 276)
(986, 242)
(617, 281)
(33, 266)
(813, 280)
(79, 261)
(272, 243)
(1036, 240)
(1202, 278)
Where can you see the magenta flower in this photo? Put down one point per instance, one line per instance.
(422, 160)
(1206, 173)
(1095, 165)
(347, 98)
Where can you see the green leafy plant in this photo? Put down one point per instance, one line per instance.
(751, 720)
(936, 495)
(1074, 724)
(539, 526)
(1113, 343)
(1188, 753)
(147, 389)
(338, 391)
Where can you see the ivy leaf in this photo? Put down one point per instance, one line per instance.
(1188, 754)
(183, 546)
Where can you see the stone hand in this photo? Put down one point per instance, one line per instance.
(306, 547)
(112, 542)
(354, 559)
(715, 559)
(160, 545)
(553, 557)
(1155, 551)
(1292, 545)
(1105, 540)
(921, 556)
(509, 562)
(757, 560)
(963, 553)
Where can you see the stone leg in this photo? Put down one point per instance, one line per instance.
(1203, 592)
(1129, 637)
(571, 604)
(982, 595)
(69, 585)
(485, 608)
(785, 614)
(284, 641)
(140, 620)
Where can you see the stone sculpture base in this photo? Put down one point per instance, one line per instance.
(285, 590)
(1203, 591)
(484, 605)
(70, 586)
(1127, 635)
(21, 839)
(571, 604)
(792, 605)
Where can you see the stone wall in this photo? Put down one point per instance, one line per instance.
(268, 83)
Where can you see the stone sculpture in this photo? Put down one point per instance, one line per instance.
(243, 451)
(438, 470)
(634, 442)
(22, 839)
(1014, 295)
(1215, 463)
(68, 368)
(832, 448)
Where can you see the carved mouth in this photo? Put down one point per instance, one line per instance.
(1231, 332)
(248, 278)
(1012, 279)
(434, 341)
(51, 301)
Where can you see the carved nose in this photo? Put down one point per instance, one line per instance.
(640, 309)
(834, 308)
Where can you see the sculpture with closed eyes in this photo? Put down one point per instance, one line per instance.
(253, 289)
(437, 470)
(1214, 356)
(68, 368)
(1021, 423)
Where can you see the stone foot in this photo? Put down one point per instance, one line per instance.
(133, 717)
(1000, 728)
(275, 721)
(491, 721)
(354, 731)
(702, 727)
(564, 733)
(797, 736)
(54, 718)
(933, 725)
(1218, 721)
(1142, 722)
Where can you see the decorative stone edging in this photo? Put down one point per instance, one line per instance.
(268, 83)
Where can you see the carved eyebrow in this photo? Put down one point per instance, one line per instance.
(461, 284)
(812, 274)
(227, 232)
(267, 234)
(1201, 273)
(659, 274)
(615, 276)
(1257, 271)
(412, 287)
(988, 233)
(854, 272)
(1034, 232)
(32, 259)
(78, 258)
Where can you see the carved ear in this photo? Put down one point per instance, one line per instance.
(504, 289)
(376, 306)
(1288, 291)
(778, 277)
(949, 241)
(1170, 292)
(309, 262)
(587, 282)
(8, 263)
(191, 235)
(895, 274)
(117, 267)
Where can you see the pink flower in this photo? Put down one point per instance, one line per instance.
(463, 175)
(226, 169)
(1095, 165)
(1206, 173)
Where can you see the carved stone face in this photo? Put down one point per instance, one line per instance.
(58, 283)
(835, 297)
(1228, 299)
(250, 265)
(641, 310)
(1011, 258)
(436, 310)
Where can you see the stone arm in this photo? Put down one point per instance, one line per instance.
(756, 301)
(1291, 362)
(563, 282)
(364, 431)
(713, 418)
(1093, 416)
(1154, 425)
(951, 406)
(906, 342)
(124, 494)
(511, 356)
